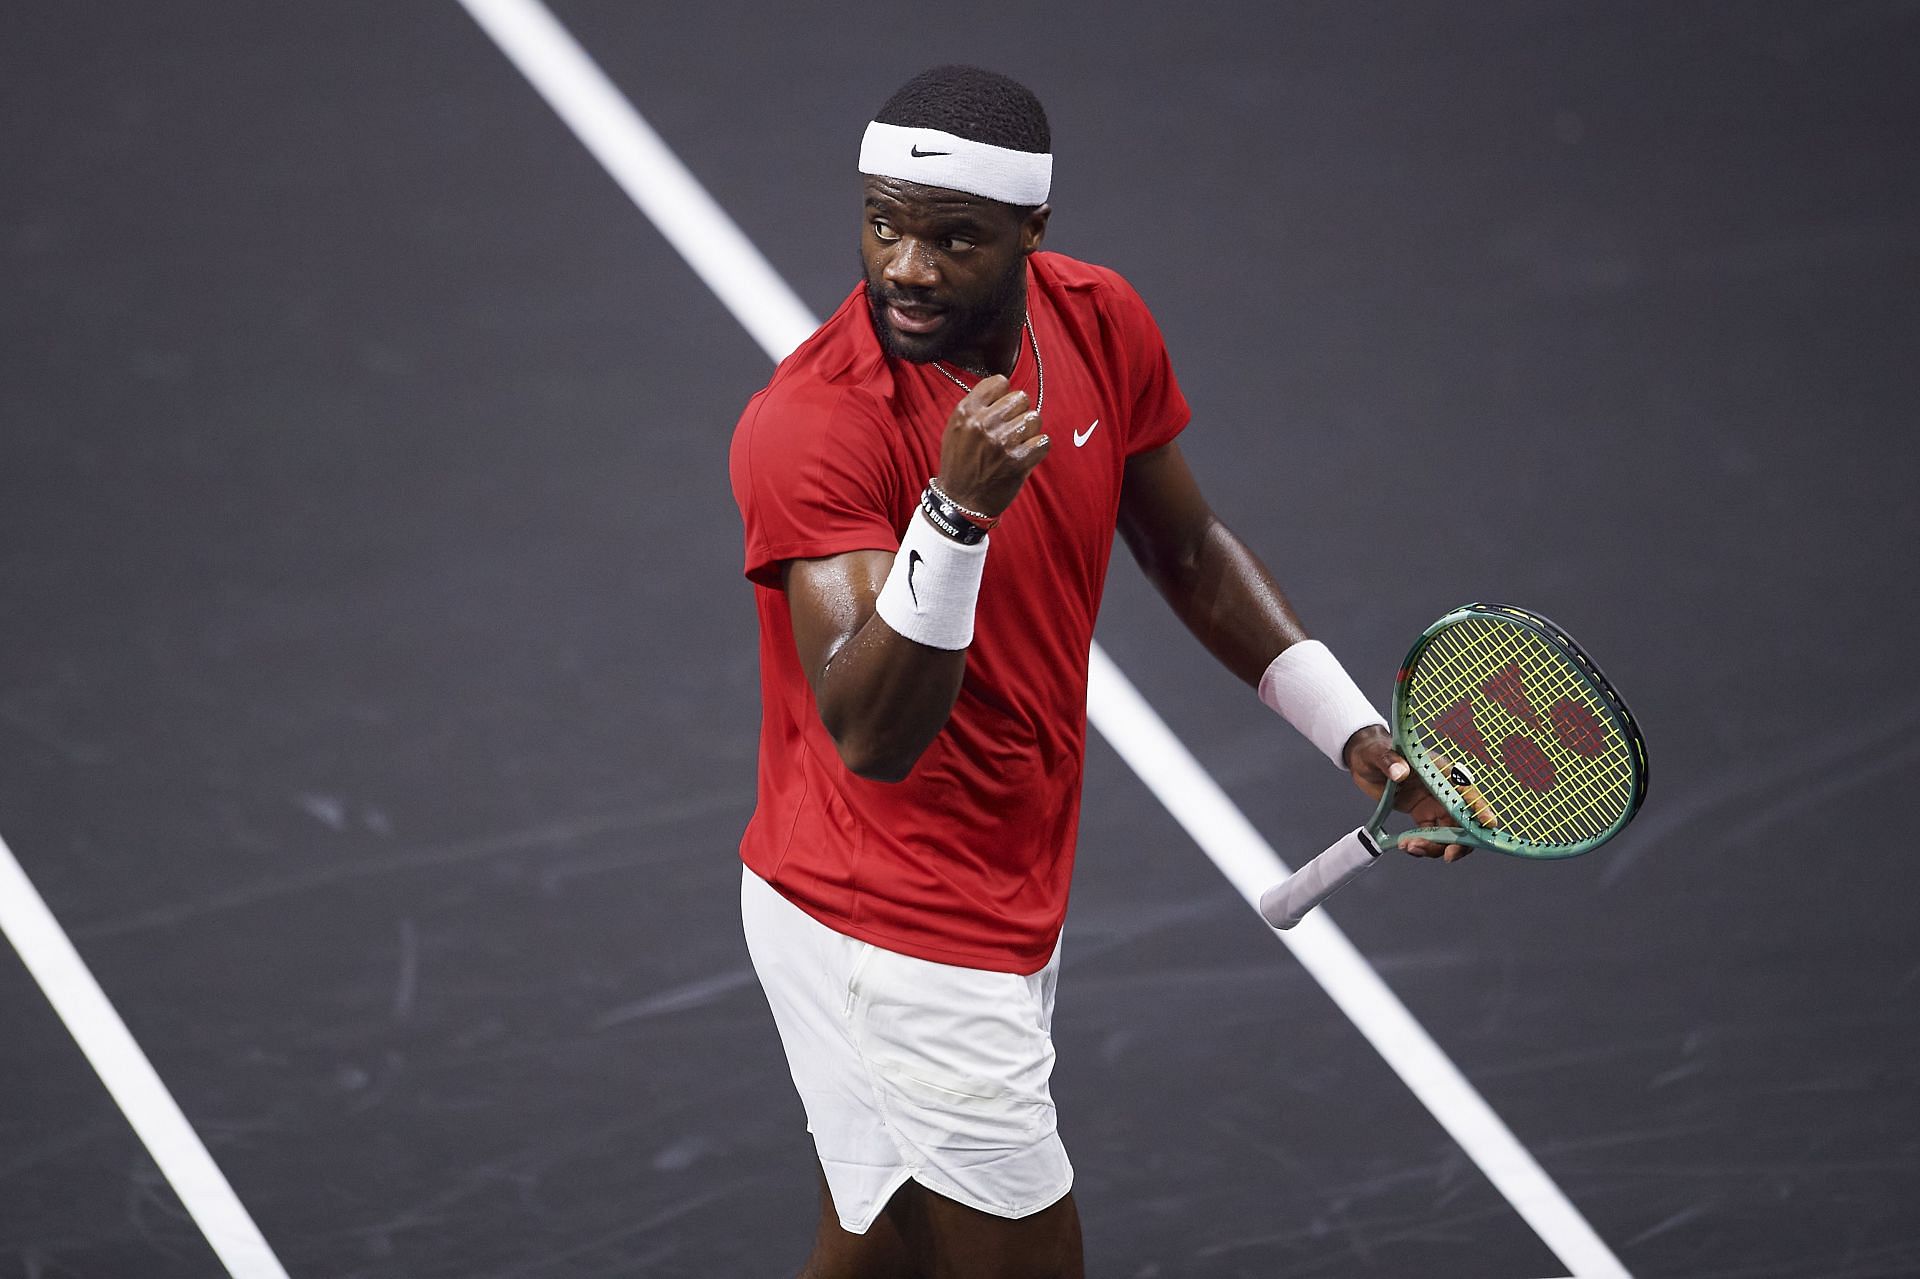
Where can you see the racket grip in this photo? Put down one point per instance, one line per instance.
(1287, 902)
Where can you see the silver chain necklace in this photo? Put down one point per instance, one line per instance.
(1039, 369)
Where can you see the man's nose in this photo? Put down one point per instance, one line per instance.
(912, 265)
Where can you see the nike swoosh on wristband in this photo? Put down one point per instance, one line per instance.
(913, 562)
(1081, 437)
(918, 154)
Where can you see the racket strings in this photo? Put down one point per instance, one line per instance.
(1539, 742)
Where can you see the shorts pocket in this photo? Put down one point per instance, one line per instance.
(959, 1056)
(935, 1087)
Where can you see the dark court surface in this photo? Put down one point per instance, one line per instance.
(377, 686)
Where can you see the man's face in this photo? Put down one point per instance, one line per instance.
(946, 272)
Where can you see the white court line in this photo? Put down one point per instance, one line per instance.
(1216, 823)
(575, 87)
(130, 1077)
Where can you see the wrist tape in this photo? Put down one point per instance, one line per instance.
(1311, 690)
(930, 594)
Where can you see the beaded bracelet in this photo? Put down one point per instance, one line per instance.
(947, 516)
(973, 517)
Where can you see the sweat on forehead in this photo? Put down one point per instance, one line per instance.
(882, 192)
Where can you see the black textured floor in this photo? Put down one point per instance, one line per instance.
(377, 687)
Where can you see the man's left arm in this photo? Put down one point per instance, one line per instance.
(1228, 599)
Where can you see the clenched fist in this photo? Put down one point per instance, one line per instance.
(992, 444)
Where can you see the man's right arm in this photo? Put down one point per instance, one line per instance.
(882, 696)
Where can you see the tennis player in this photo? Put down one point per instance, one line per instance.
(930, 488)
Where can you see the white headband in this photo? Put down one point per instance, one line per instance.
(937, 159)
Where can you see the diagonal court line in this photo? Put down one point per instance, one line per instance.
(130, 1077)
(722, 256)
(1215, 822)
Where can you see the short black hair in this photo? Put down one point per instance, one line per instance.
(972, 103)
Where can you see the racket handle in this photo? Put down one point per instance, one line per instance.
(1287, 902)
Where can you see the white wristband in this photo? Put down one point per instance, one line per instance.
(930, 594)
(1311, 690)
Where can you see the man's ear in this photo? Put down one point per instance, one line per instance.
(1033, 228)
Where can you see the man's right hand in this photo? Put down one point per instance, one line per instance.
(992, 444)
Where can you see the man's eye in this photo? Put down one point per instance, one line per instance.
(956, 244)
(881, 231)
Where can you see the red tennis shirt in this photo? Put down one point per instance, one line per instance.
(966, 861)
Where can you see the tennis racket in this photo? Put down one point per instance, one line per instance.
(1517, 734)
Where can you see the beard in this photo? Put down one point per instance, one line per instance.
(968, 327)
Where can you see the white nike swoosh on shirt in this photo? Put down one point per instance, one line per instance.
(1081, 437)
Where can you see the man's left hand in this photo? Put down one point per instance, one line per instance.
(1372, 760)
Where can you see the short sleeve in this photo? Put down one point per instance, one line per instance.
(1160, 411)
(812, 478)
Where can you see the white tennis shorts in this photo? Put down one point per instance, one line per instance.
(911, 1069)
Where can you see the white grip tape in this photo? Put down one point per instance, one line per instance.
(1311, 690)
(930, 593)
(1287, 902)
